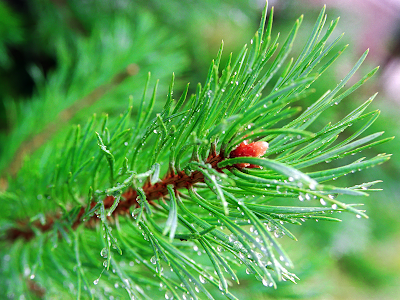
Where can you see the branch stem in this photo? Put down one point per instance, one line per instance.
(159, 190)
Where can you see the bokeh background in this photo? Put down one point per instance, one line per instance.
(54, 53)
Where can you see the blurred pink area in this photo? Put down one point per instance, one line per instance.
(373, 24)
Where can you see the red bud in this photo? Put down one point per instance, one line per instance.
(255, 149)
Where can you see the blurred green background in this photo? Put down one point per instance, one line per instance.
(53, 53)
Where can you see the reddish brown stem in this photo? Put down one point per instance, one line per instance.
(129, 199)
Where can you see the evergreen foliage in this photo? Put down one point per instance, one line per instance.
(152, 205)
(111, 55)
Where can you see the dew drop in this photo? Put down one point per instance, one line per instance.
(168, 295)
(265, 282)
(96, 281)
(312, 186)
(278, 233)
(202, 279)
(104, 252)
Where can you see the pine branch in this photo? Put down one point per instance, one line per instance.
(151, 191)
(224, 159)
(31, 145)
(85, 64)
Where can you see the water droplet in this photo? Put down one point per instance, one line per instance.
(322, 201)
(96, 281)
(202, 279)
(278, 233)
(32, 276)
(358, 216)
(168, 295)
(104, 252)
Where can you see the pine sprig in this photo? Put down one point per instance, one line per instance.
(164, 188)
